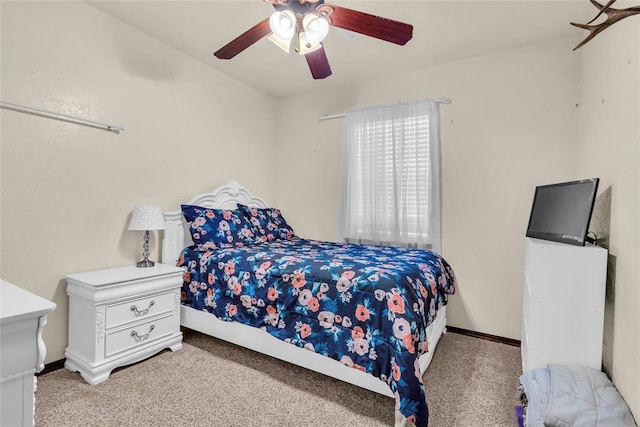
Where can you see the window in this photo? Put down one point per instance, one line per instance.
(390, 186)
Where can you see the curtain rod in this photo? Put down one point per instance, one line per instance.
(60, 116)
(343, 115)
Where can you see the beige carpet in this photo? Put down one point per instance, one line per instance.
(470, 382)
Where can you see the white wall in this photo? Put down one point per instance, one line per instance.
(512, 125)
(609, 125)
(68, 190)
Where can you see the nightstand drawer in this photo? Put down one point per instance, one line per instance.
(139, 334)
(133, 310)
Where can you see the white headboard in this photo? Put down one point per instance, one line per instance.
(176, 235)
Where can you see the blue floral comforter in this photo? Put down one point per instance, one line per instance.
(365, 306)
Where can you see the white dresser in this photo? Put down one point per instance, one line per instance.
(22, 352)
(120, 316)
(563, 304)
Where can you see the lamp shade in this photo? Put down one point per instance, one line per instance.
(283, 24)
(316, 28)
(147, 217)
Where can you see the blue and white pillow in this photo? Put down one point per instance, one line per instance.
(220, 228)
(268, 223)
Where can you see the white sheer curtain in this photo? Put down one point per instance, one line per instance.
(390, 176)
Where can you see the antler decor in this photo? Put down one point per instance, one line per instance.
(613, 16)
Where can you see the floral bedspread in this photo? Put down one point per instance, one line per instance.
(365, 306)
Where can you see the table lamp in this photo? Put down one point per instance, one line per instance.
(147, 217)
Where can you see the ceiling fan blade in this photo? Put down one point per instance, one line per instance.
(369, 25)
(244, 40)
(318, 63)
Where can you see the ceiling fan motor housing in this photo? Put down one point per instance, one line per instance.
(298, 6)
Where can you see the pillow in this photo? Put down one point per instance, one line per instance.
(269, 224)
(221, 227)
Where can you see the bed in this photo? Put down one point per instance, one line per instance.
(291, 290)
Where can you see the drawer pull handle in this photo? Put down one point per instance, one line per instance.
(142, 312)
(137, 337)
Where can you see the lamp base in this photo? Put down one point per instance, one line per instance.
(145, 263)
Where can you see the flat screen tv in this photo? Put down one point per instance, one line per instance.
(562, 212)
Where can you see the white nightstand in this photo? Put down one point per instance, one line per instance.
(22, 351)
(120, 316)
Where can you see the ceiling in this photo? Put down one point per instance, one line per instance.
(444, 31)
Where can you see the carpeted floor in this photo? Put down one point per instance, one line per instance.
(470, 382)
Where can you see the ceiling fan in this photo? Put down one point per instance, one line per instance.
(302, 25)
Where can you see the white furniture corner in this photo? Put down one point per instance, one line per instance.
(120, 316)
(22, 352)
(177, 237)
(563, 304)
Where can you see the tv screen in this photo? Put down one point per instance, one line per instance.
(562, 212)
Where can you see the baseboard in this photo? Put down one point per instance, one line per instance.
(59, 364)
(488, 337)
(53, 366)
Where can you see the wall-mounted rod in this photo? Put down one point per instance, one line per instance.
(60, 116)
(343, 115)
(331, 117)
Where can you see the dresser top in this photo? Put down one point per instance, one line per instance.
(17, 303)
(111, 276)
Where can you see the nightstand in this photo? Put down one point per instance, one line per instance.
(22, 351)
(120, 316)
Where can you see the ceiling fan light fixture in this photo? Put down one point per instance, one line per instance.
(303, 45)
(282, 44)
(315, 27)
(283, 24)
